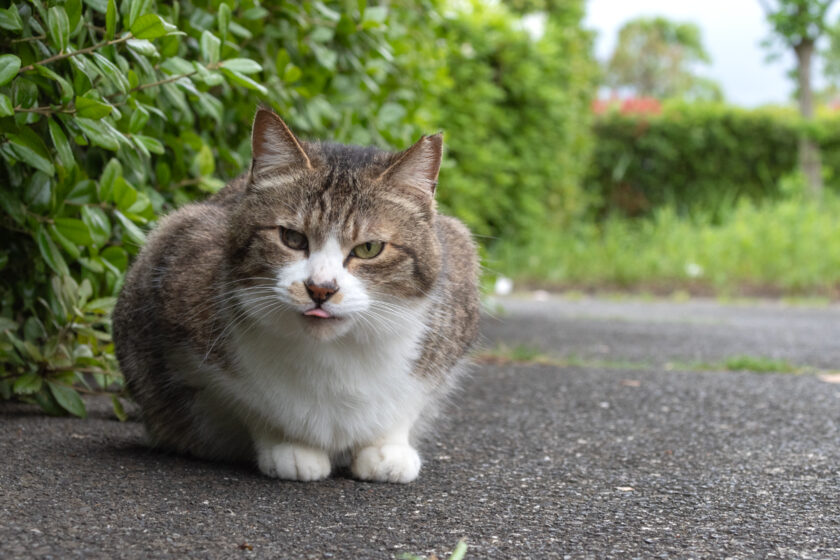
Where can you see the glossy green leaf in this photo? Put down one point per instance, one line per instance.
(116, 256)
(210, 184)
(65, 86)
(239, 31)
(99, 134)
(210, 47)
(91, 108)
(151, 26)
(376, 14)
(49, 251)
(143, 47)
(98, 224)
(242, 65)
(138, 120)
(48, 404)
(110, 173)
(113, 74)
(69, 247)
(111, 15)
(58, 25)
(74, 229)
(100, 6)
(292, 74)
(6, 108)
(134, 233)
(254, 13)
(68, 398)
(62, 146)
(346, 26)
(204, 163)
(33, 329)
(242, 80)
(83, 192)
(10, 19)
(124, 194)
(137, 9)
(32, 151)
(151, 144)
(94, 265)
(37, 194)
(223, 17)
(28, 384)
(9, 66)
(176, 65)
(74, 12)
(12, 205)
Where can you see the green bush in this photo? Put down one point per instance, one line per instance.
(517, 119)
(113, 112)
(691, 157)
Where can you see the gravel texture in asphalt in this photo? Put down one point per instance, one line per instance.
(533, 461)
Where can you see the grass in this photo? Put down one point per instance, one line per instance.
(524, 354)
(784, 248)
(755, 364)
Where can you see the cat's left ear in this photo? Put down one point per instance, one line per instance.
(418, 166)
(274, 146)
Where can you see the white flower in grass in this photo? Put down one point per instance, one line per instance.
(504, 286)
(693, 270)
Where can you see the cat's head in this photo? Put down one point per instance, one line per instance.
(331, 239)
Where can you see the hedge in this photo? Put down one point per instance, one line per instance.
(698, 157)
(517, 120)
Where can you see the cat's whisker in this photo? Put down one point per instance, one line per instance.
(232, 301)
(240, 316)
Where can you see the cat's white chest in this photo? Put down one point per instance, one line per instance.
(332, 395)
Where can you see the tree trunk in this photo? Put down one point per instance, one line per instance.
(809, 153)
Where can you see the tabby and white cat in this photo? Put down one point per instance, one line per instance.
(313, 313)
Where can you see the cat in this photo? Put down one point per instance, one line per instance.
(314, 313)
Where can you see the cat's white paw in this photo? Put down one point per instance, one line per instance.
(387, 463)
(293, 462)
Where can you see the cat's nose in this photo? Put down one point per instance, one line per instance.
(320, 292)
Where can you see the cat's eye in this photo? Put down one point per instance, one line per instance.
(294, 239)
(367, 250)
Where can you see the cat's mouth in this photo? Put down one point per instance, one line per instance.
(319, 313)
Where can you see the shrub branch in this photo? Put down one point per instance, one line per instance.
(87, 50)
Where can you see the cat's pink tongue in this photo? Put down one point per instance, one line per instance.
(318, 312)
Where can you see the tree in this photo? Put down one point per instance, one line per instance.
(655, 57)
(798, 24)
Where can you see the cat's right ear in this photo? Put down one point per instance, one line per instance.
(275, 148)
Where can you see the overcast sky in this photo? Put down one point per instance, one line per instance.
(731, 30)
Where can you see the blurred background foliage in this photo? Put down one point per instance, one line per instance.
(115, 112)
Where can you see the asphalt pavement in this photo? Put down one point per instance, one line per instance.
(534, 460)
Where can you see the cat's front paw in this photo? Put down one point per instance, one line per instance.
(387, 463)
(293, 462)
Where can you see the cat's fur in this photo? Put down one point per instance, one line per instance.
(210, 328)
